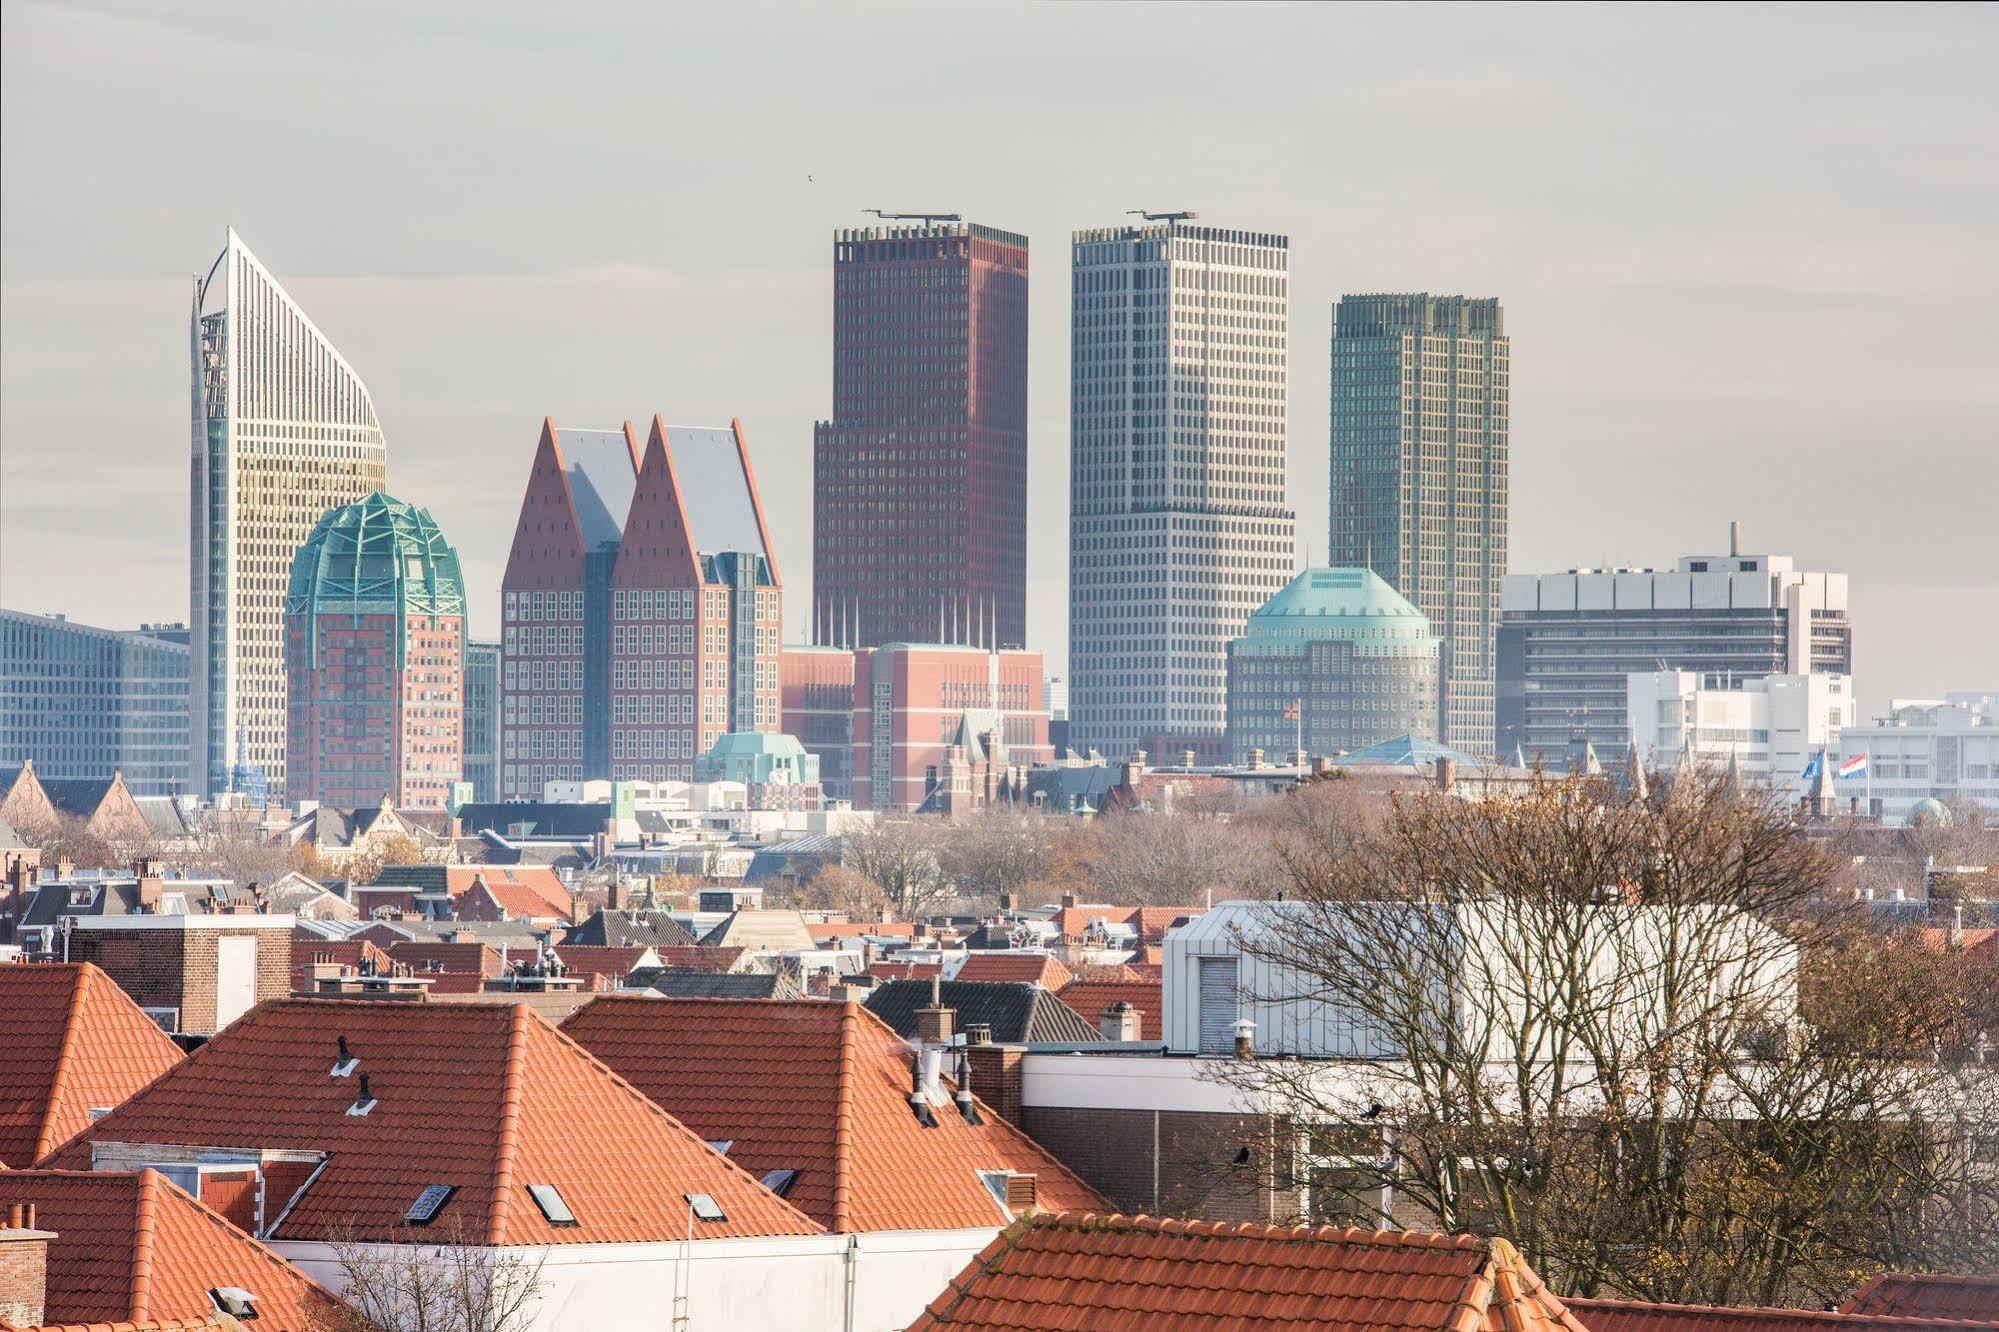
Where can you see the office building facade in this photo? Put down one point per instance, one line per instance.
(283, 430)
(1420, 410)
(1942, 750)
(1178, 526)
(482, 720)
(1768, 728)
(640, 608)
(818, 708)
(934, 720)
(1568, 642)
(1335, 662)
(375, 660)
(920, 478)
(82, 702)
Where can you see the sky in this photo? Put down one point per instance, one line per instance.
(1749, 257)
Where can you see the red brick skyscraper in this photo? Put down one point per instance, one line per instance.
(920, 478)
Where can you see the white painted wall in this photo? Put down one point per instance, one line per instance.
(875, 1282)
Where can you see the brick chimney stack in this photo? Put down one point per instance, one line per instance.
(935, 1022)
(24, 1267)
(1120, 1022)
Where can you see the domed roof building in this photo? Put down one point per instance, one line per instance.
(1929, 812)
(374, 659)
(1336, 661)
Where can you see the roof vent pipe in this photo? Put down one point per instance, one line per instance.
(918, 1104)
(968, 1109)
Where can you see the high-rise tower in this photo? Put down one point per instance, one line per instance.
(283, 430)
(1178, 527)
(1419, 476)
(920, 479)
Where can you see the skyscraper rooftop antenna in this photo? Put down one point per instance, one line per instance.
(1168, 218)
(925, 218)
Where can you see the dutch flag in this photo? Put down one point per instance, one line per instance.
(1854, 767)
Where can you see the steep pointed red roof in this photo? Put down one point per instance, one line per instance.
(1080, 1271)
(485, 1099)
(823, 1089)
(557, 524)
(72, 1042)
(658, 548)
(131, 1245)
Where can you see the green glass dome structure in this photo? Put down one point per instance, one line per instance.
(1336, 661)
(376, 556)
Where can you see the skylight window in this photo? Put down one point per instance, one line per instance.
(549, 1199)
(780, 1181)
(428, 1204)
(238, 1303)
(704, 1207)
(721, 1146)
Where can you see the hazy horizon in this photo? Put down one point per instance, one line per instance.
(1746, 255)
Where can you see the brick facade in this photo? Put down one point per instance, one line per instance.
(24, 1263)
(1170, 1162)
(177, 968)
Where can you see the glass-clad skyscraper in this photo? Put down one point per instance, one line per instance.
(1178, 526)
(1419, 476)
(283, 430)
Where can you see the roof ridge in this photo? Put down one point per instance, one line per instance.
(42, 1145)
(843, 1119)
(1760, 1311)
(510, 1118)
(143, 1230)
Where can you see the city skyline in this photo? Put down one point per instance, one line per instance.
(1659, 336)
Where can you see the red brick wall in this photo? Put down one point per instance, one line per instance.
(176, 968)
(23, 1280)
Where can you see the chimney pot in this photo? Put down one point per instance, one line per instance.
(1245, 1039)
(1068, 901)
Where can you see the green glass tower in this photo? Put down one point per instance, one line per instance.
(1420, 408)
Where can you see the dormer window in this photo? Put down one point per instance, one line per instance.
(553, 1207)
(780, 1181)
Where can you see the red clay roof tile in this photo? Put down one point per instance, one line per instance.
(1117, 1272)
(132, 1245)
(1927, 1295)
(486, 1098)
(74, 1042)
(1005, 964)
(821, 1088)
(1092, 997)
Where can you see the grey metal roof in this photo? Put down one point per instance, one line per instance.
(602, 479)
(721, 512)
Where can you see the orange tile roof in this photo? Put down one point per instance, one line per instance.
(1980, 941)
(821, 1088)
(515, 901)
(1927, 1295)
(539, 880)
(124, 1325)
(488, 1098)
(1635, 1316)
(1138, 1273)
(1006, 964)
(1153, 922)
(73, 1042)
(1092, 997)
(132, 1245)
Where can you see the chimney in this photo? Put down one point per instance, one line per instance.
(151, 889)
(978, 1033)
(1120, 1022)
(1007, 903)
(1447, 774)
(995, 1073)
(1068, 901)
(1957, 925)
(1322, 766)
(1245, 1039)
(1734, 537)
(24, 1265)
(934, 1020)
(614, 897)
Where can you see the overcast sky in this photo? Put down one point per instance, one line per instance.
(1749, 257)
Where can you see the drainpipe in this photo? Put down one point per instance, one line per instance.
(853, 1262)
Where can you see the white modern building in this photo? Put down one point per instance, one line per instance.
(283, 430)
(1945, 750)
(1568, 641)
(1770, 727)
(1179, 526)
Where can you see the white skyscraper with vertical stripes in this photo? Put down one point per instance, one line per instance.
(1178, 525)
(283, 430)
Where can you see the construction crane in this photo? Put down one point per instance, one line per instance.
(1168, 218)
(925, 218)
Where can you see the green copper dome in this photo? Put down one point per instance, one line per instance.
(1339, 604)
(376, 556)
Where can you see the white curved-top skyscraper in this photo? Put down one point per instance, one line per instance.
(283, 431)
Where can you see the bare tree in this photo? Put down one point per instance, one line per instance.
(1579, 1024)
(996, 850)
(447, 1285)
(67, 839)
(1166, 859)
(899, 855)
